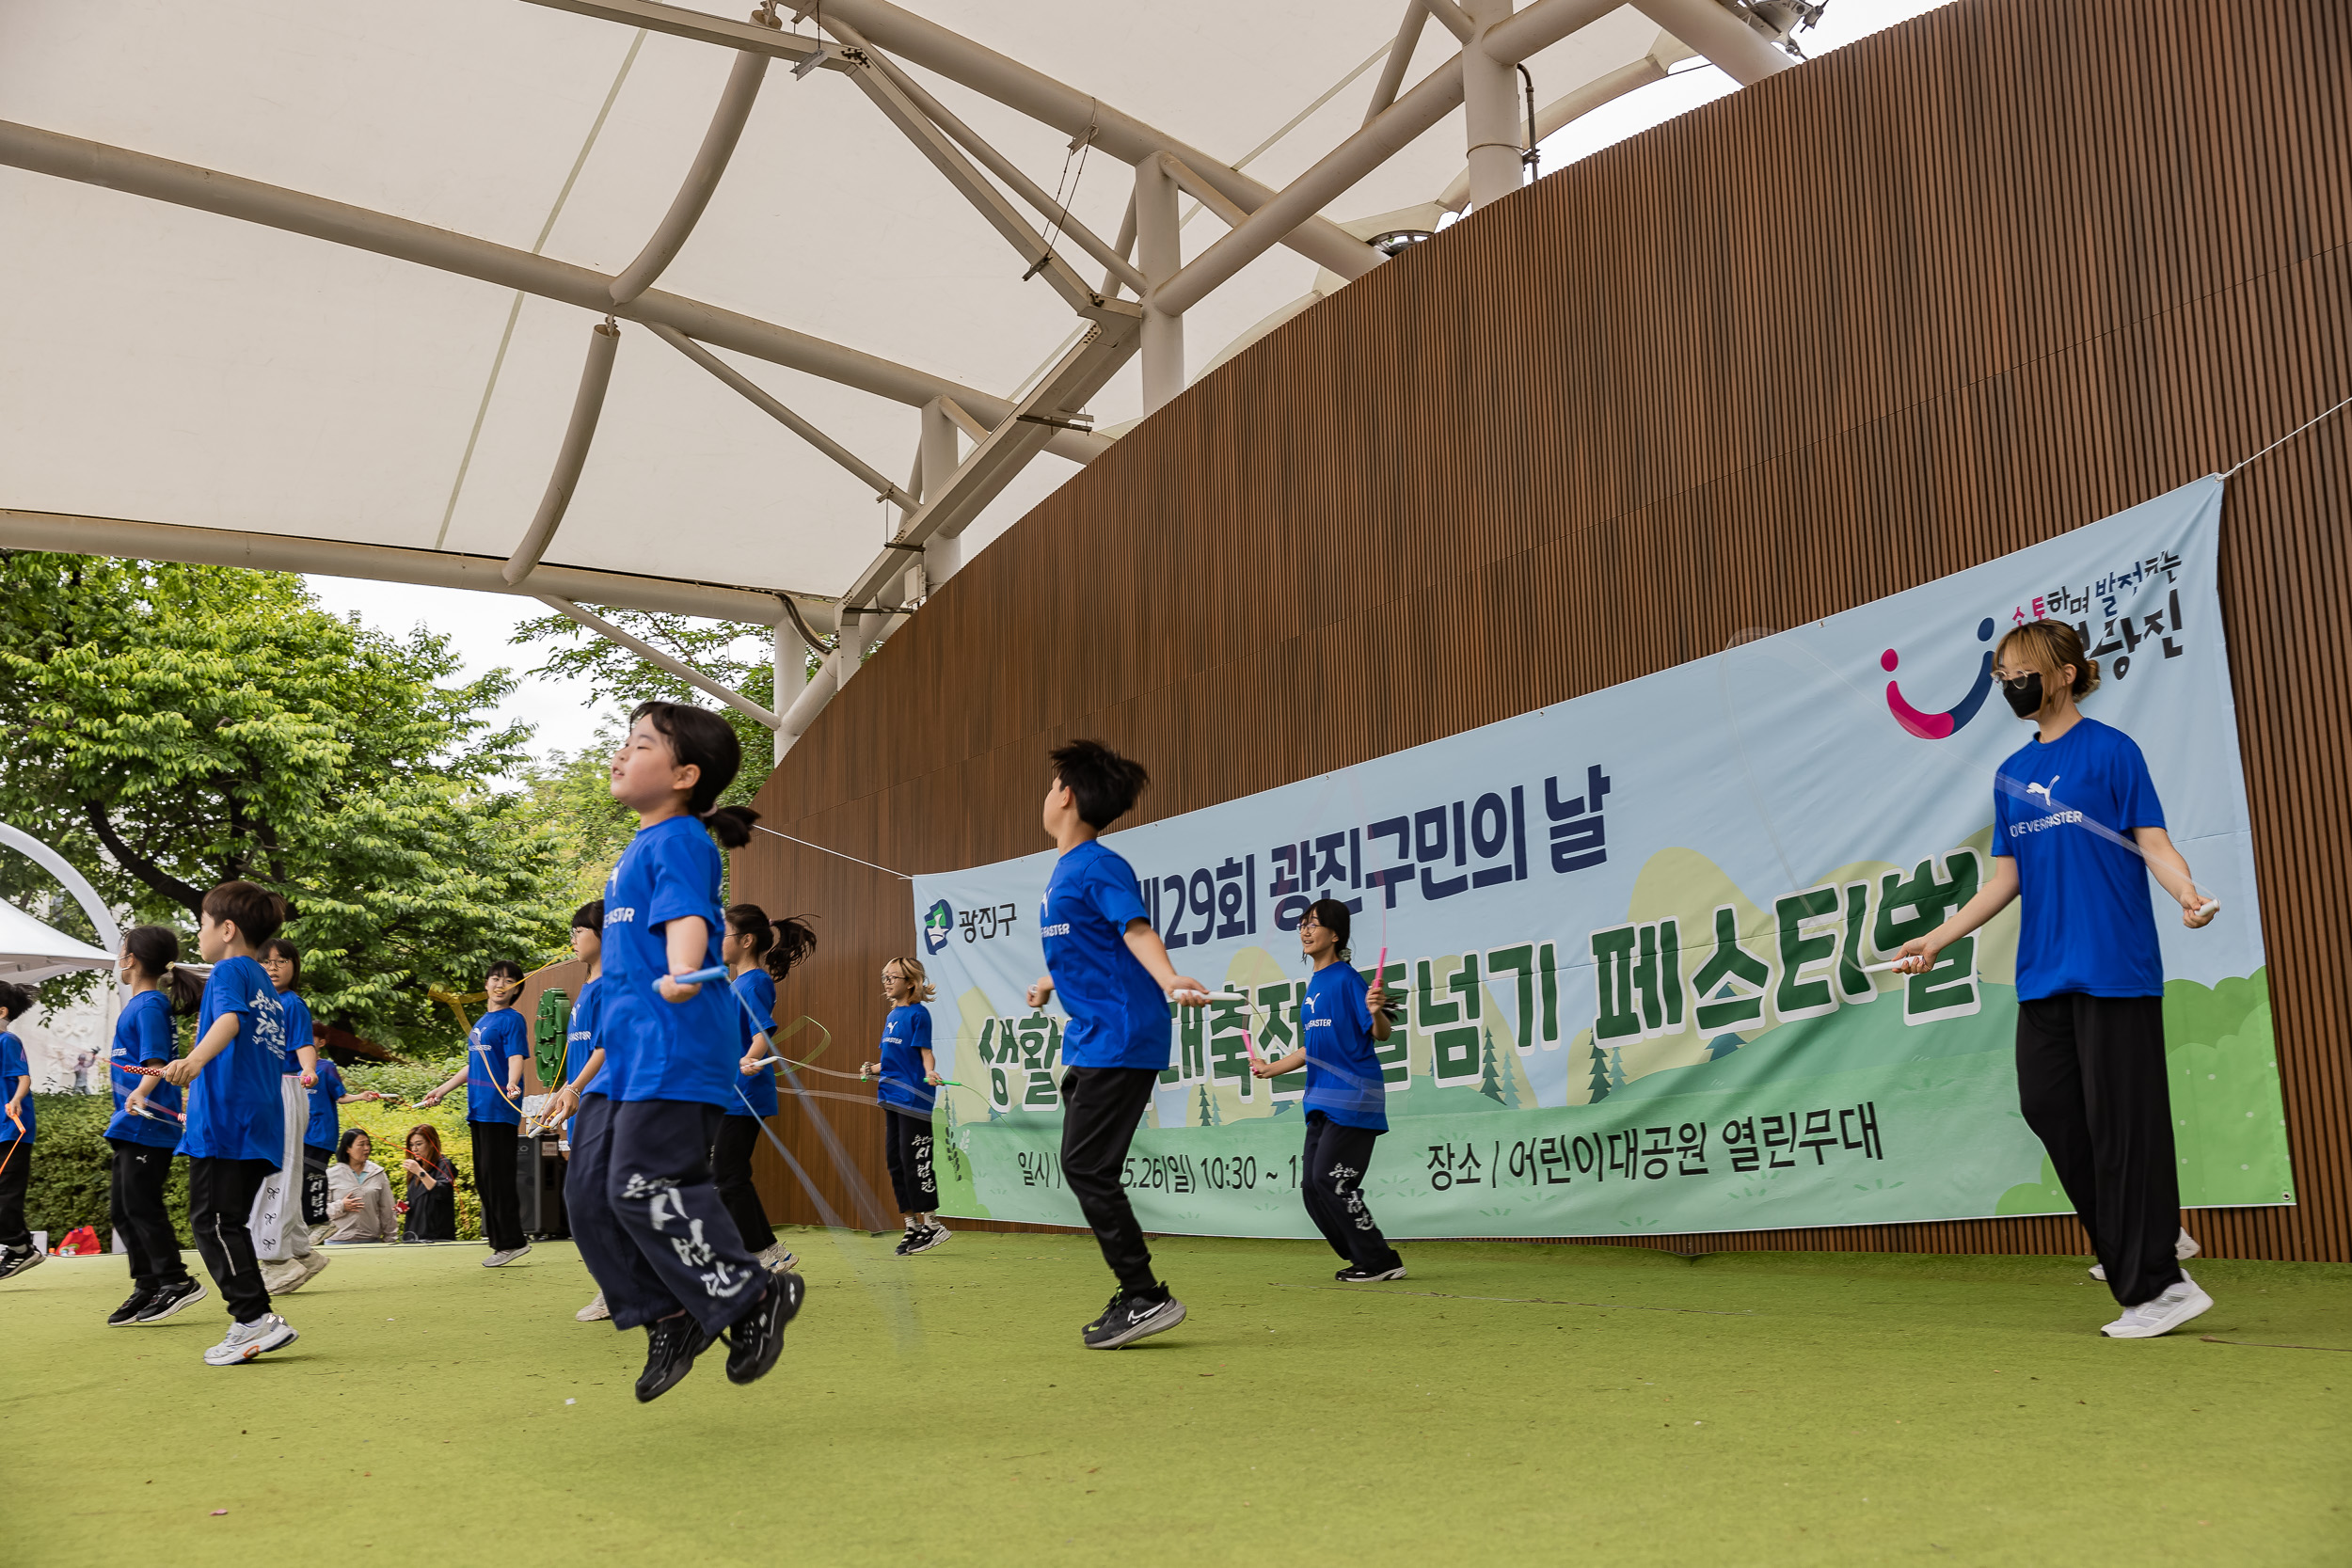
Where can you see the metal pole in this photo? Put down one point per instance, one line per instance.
(1400, 58)
(1721, 36)
(791, 675)
(1490, 114)
(587, 407)
(1160, 250)
(701, 178)
(655, 656)
(101, 919)
(1565, 111)
(758, 398)
(848, 647)
(937, 461)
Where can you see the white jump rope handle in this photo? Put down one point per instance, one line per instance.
(1184, 994)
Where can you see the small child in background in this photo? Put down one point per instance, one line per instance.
(281, 1233)
(145, 1131)
(493, 1075)
(17, 1251)
(583, 1060)
(906, 1087)
(236, 1132)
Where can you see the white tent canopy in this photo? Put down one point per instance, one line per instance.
(31, 951)
(324, 280)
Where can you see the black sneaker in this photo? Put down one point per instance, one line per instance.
(906, 1242)
(15, 1260)
(169, 1299)
(755, 1338)
(671, 1346)
(928, 1238)
(1132, 1316)
(1369, 1276)
(129, 1310)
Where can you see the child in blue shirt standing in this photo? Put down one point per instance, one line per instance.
(1112, 973)
(495, 1050)
(281, 1229)
(145, 1131)
(236, 1134)
(17, 1251)
(1346, 1101)
(649, 1222)
(906, 1085)
(583, 1060)
(2090, 1066)
(759, 953)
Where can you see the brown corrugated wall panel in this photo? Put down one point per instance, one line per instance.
(1956, 289)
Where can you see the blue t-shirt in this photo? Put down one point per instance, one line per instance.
(236, 1108)
(754, 1012)
(143, 1038)
(499, 1035)
(299, 1032)
(906, 1035)
(327, 1117)
(1118, 1014)
(13, 1069)
(1343, 1075)
(656, 1050)
(579, 1035)
(2087, 923)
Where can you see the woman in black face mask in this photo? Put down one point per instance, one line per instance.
(2068, 810)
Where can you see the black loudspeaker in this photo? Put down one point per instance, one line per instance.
(539, 1185)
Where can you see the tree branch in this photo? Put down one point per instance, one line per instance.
(138, 865)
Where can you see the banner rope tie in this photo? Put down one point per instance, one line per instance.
(2316, 418)
(883, 869)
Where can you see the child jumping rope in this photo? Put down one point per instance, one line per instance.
(907, 1076)
(650, 1223)
(757, 954)
(1115, 979)
(145, 1131)
(282, 1232)
(583, 1059)
(1346, 1101)
(17, 1251)
(495, 1048)
(2091, 1068)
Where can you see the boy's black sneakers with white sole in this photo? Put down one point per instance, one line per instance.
(928, 1238)
(671, 1346)
(1369, 1276)
(1132, 1315)
(15, 1260)
(756, 1339)
(906, 1243)
(131, 1309)
(169, 1299)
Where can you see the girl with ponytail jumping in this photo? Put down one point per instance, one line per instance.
(654, 1233)
(757, 954)
(145, 1131)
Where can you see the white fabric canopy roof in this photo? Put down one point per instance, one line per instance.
(176, 366)
(31, 951)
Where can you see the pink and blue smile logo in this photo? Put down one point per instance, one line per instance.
(1940, 726)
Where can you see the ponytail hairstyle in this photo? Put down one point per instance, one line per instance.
(1334, 917)
(911, 970)
(2052, 645)
(16, 1001)
(780, 945)
(279, 947)
(156, 950)
(700, 738)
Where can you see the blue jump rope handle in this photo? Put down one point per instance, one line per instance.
(702, 977)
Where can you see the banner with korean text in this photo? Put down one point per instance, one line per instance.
(1630, 931)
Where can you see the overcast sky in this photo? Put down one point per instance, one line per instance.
(563, 712)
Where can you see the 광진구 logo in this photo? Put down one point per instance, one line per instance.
(1941, 726)
(939, 924)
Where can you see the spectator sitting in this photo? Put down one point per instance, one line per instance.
(432, 1204)
(360, 1203)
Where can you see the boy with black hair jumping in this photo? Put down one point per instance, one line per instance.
(1116, 981)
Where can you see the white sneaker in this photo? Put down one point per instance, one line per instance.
(314, 1265)
(284, 1278)
(596, 1311)
(775, 1259)
(2184, 1248)
(266, 1333)
(318, 1235)
(2162, 1315)
(499, 1259)
(928, 1237)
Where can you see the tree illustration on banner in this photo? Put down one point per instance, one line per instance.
(1494, 1080)
(1208, 1115)
(1600, 1085)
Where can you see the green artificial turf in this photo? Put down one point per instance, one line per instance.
(1505, 1405)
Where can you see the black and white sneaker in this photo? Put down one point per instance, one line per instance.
(906, 1242)
(170, 1299)
(928, 1238)
(1368, 1276)
(671, 1345)
(755, 1338)
(1134, 1316)
(15, 1260)
(131, 1309)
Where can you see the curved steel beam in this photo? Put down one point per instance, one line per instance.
(701, 178)
(660, 660)
(587, 407)
(101, 919)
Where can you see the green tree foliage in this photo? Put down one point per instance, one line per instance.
(570, 799)
(171, 727)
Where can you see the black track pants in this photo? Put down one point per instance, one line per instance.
(140, 1219)
(1101, 1107)
(1331, 1180)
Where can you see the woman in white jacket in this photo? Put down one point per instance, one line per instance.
(359, 1193)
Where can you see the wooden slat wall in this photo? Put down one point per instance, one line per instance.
(1994, 274)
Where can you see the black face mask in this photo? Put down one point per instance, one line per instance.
(2024, 695)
